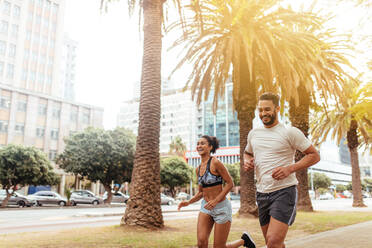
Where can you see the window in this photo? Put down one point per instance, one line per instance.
(52, 154)
(85, 118)
(10, 71)
(42, 110)
(16, 11)
(6, 8)
(3, 126)
(5, 102)
(32, 76)
(74, 115)
(1, 68)
(24, 74)
(22, 106)
(4, 27)
(2, 47)
(20, 128)
(28, 35)
(40, 131)
(56, 113)
(12, 50)
(54, 134)
(14, 30)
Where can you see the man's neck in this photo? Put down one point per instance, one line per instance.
(272, 125)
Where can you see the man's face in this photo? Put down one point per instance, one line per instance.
(267, 112)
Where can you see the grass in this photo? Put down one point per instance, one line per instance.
(176, 233)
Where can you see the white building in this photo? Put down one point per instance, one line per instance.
(68, 65)
(178, 118)
(30, 35)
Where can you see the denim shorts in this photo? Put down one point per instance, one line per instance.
(221, 213)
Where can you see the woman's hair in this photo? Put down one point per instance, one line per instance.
(212, 141)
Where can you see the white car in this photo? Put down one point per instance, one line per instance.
(326, 196)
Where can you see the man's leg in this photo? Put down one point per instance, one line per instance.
(264, 231)
(276, 233)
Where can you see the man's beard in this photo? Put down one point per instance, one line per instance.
(271, 121)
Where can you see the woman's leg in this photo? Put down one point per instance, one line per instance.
(221, 233)
(204, 228)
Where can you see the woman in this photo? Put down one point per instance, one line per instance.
(215, 208)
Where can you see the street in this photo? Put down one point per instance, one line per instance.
(41, 219)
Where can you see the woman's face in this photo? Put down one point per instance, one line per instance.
(203, 146)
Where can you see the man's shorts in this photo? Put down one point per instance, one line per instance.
(221, 213)
(280, 204)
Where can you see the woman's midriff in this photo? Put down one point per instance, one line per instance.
(210, 193)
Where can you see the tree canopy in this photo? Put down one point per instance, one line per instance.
(174, 172)
(234, 171)
(100, 155)
(321, 180)
(20, 166)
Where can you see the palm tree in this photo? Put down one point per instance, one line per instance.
(255, 40)
(350, 118)
(143, 208)
(177, 147)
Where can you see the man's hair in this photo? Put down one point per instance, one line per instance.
(271, 97)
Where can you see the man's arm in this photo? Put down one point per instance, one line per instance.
(311, 157)
(248, 161)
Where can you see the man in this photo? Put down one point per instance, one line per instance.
(270, 152)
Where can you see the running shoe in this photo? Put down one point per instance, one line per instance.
(248, 241)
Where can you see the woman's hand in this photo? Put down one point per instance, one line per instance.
(182, 204)
(211, 204)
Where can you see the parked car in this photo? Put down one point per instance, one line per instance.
(366, 195)
(48, 197)
(166, 199)
(16, 199)
(348, 194)
(84, 197)
(182, 196)
(326, 196)
(117, 197)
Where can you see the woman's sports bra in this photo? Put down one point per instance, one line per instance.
(208, 179)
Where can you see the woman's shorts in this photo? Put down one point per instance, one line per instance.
(221, 213)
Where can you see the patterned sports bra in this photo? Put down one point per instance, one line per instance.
(208, 179)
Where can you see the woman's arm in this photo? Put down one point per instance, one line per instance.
(195, 198)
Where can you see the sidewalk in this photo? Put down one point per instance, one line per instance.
(353, 236)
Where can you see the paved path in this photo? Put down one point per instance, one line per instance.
(353, 236)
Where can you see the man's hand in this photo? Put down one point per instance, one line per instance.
(248, 163)
(281, 172)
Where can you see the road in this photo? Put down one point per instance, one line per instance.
(40, 219)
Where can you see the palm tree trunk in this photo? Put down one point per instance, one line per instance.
(143, 208)
(245, 105)
(353, 143)
(299, 117)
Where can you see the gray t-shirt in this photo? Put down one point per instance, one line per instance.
(271, 148)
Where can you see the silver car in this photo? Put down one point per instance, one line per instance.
(84, 197)
(16, 199)
(117, 197)
(48, 197)
(166, 199)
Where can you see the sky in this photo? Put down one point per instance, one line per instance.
(109, 53)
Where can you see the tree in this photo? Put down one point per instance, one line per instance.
(234, 171)
(20, 166)
(351, 117)
(340, 188)
(100, 155)
(143, 208)
(177, 147)
(257, 42)
(321, 180)
(174, 172)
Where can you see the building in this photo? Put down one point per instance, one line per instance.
(42, 121)
(68, 65)
(30, 38)
(36, 99)
(178, 118)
